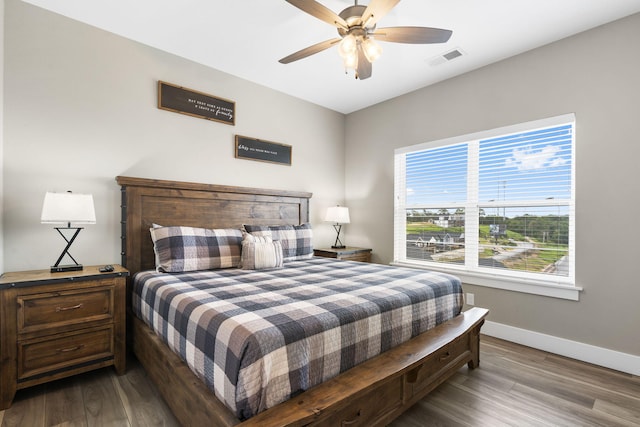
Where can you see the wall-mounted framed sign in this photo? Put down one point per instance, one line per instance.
(264, 151)
(197, 104)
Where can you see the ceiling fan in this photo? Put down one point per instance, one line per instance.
(357, 28)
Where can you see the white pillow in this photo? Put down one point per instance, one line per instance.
(260, 252)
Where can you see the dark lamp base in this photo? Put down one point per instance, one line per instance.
(338, 247)
(63, 268)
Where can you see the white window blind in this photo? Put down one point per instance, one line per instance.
(498, 203)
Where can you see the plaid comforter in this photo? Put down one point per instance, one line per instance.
(257, 338)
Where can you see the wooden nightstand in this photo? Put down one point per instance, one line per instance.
(54, 325)
(349, 253)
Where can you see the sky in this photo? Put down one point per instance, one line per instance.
(534, 165)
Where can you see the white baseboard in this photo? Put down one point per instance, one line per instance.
(612, 359)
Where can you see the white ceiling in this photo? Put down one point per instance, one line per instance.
(247, 38)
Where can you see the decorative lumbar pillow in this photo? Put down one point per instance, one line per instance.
(259, 252)
(297, 240)
(180, 249)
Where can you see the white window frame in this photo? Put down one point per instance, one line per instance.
(533, 283)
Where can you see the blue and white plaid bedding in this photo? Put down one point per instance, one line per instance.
(257, 338)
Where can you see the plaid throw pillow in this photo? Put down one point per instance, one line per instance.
(296, 240)
(187, 248)
(260, 252)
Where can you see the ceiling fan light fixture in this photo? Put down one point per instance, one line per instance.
(351, 61)
(356, 26)
(347, 46)
(372, 50)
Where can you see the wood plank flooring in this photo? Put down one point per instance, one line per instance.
(514, 386)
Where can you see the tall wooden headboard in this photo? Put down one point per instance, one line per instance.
(149, 201)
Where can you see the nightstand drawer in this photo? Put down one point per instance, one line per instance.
(361, 256)
(48, 354)
(348, 253)
(55, 309)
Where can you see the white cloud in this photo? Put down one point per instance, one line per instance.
(528, 159)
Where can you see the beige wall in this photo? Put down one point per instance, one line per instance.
(594, 75)
(80, 109)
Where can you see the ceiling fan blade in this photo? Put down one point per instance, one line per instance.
(376, 10)
(308, 51)
(364, 66)
(414, 35)
(319, 11)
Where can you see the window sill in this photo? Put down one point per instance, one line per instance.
(508, 283)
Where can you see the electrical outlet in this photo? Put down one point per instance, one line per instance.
(470, 299)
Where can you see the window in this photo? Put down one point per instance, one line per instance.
(495, 208)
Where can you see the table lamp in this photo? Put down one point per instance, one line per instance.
(338, 215)
(67, 208)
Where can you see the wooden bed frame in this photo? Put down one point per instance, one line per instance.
(370, 394)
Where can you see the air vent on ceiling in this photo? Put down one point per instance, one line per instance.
(446, 57)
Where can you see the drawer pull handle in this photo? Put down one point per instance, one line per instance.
(75, 307)
(352, 421)
(67, 350)
(412, 376)
(445, 356)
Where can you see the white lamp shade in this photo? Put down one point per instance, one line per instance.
(65, 208)
(337, 215)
